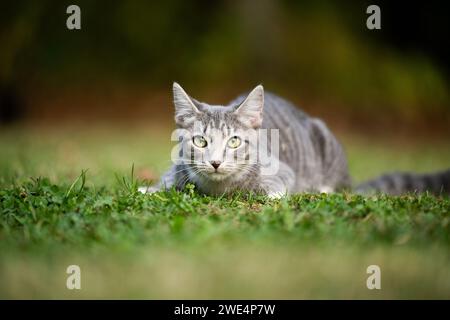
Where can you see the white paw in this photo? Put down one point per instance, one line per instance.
(326, 189)
(148, 189)
(276, 195)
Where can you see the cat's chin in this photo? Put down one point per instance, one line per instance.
(215, 176)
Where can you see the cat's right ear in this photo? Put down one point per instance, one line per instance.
(185, 110)
(250, 111)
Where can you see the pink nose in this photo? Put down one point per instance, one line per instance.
(215, 164)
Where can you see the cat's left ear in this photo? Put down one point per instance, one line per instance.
(250, 112)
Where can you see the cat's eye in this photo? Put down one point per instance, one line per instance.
(234, 142)
(199, 141)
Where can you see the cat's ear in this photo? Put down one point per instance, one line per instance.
(185, 109)
(250, 112)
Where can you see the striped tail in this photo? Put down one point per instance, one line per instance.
(400, 182)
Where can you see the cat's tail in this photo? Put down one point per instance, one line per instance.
(402, 182)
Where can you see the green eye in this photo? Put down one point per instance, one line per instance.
(234, 142)
(199, 141)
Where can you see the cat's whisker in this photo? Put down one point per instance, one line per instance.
(186, 178)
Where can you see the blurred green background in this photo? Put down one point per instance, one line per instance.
(320, 54)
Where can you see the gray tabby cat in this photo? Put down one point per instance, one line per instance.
(220, 151)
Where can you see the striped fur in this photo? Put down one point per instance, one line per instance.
(310, 157)
(403, 182)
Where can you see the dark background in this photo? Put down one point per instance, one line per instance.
(120, 66)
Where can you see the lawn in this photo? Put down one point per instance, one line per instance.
(54, 213)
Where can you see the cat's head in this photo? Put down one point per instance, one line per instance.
(219, 142)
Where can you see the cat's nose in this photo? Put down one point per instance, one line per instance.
(215, 164)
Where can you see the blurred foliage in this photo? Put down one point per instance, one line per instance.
(313, 50)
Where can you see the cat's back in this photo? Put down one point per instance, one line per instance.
(292, 124)
(306, 143)
(278, 112)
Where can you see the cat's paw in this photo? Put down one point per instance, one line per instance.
(148, 189)
(326, 189)
(276, 195)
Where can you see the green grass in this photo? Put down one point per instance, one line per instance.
(185, 245)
